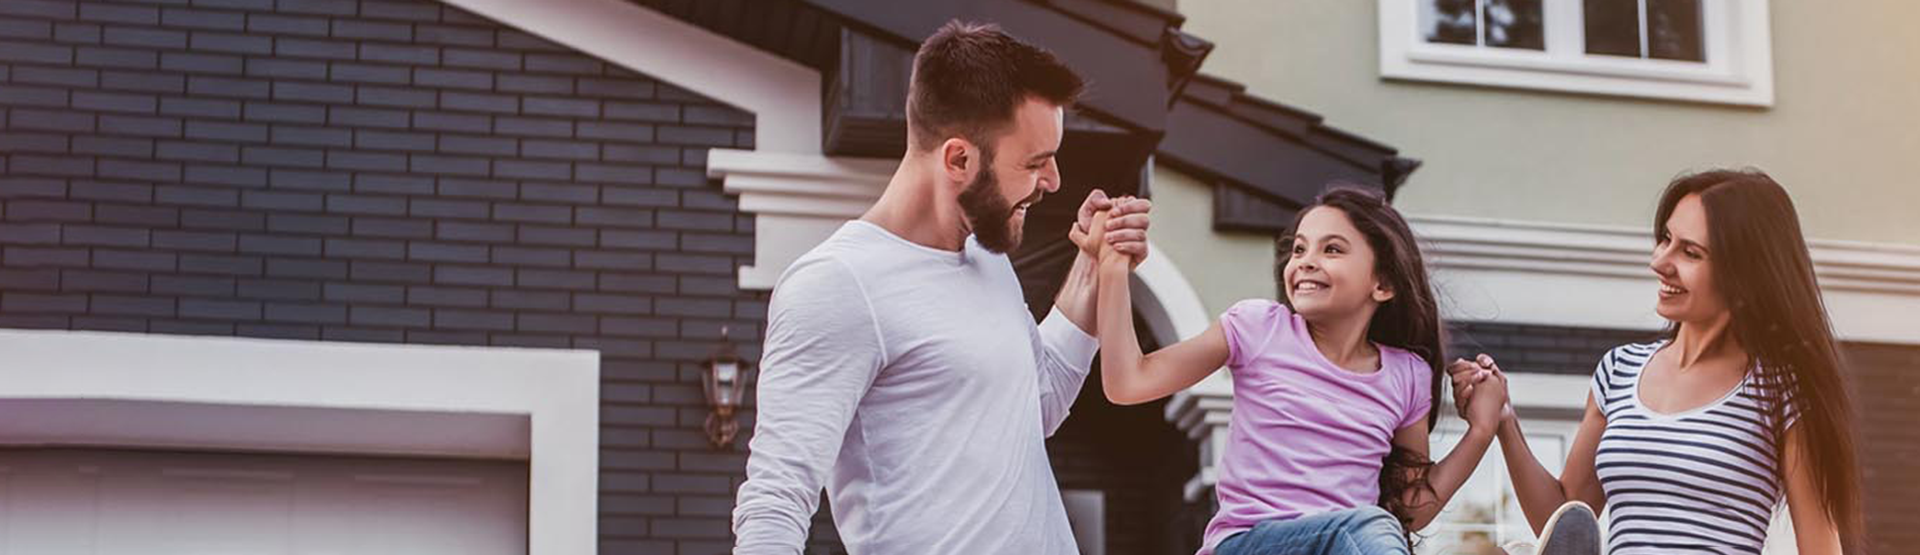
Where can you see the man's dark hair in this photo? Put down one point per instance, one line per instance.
(968, 78)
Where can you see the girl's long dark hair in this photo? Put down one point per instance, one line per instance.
(1409, 321)
(1766, 277)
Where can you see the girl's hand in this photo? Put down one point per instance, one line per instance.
(1104, 253)
(1097, 202)
(1464, 374)
(1125, 229)
(1488, 404)
(1467, 375)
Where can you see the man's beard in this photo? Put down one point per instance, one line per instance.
(988, 213)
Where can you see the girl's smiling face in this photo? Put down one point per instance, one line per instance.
(1330, 271)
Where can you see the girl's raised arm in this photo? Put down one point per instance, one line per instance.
(1130, 377)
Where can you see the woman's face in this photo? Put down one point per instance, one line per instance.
(1683, 261)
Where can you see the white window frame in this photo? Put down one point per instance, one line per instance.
(1737, 43)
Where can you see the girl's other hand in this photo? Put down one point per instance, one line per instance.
(1464, 374)
(1468, 376)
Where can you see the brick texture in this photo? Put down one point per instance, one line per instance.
(1539, 349)
(1886, 386)
(389, 171)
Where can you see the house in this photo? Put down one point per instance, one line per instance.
(424, 277)
(447, 277)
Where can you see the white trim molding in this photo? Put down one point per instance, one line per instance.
(102, 389)
(1736, 40)
(798, 201)
(1597, 276)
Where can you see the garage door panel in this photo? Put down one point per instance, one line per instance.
(209, 510)
(49, 507)
(214, 504)
(471, 512)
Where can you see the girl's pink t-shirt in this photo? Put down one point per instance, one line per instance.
(1306, 436)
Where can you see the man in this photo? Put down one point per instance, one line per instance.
(902, 370)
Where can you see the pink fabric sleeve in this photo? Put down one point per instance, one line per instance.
(1249, 325)
(1421, 396)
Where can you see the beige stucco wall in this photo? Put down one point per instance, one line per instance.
(1221, 267)
(1844, 128)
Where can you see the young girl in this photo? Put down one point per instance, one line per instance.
(1691, 441)
(1334, 387)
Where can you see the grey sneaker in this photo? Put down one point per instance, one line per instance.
(1573, 530)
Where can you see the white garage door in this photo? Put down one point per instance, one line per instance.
(105, 502)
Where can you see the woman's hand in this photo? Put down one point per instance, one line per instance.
(1468, 375)
(1488, 403)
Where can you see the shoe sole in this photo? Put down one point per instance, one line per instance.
(1572, 530)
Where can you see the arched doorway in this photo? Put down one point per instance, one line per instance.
(1125, 470)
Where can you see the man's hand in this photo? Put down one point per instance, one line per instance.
(1126, 228)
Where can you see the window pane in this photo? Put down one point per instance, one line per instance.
(1674, 30)
(1515, 24)
(1447, 21)
(1613, 27)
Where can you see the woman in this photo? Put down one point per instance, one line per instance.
(1692, 440)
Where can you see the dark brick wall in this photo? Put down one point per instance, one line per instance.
(1539, 349)
(1886, 382)
(387, 172)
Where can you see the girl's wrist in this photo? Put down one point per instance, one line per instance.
(1481, 432)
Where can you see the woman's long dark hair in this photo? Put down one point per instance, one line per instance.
(1766, 278)
(1409, 321)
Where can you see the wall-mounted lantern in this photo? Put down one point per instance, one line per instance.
(726, 380)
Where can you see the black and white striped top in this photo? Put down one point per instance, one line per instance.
(1700, 481)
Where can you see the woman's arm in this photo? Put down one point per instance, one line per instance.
(1813, 529)
(1539, 492)
(1130, 377)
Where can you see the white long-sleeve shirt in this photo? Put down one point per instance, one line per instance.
(912, 383)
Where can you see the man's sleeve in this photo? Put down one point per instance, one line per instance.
(822, 352)
(1065, 356)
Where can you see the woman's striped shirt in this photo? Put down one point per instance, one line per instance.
(1700, 481)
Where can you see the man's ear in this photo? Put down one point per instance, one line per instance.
(959, 159)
